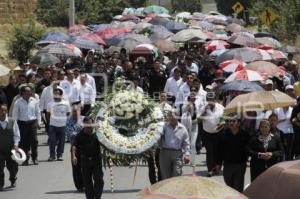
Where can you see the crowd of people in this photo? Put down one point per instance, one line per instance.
(187, 83)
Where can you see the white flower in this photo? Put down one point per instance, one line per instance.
(139, 108)
(129, 115)
(119, 111)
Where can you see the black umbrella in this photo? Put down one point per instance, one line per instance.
(266, 34)
(44, 59)
(242, 54)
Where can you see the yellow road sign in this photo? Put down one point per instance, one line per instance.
(268, 16)
(238, 7)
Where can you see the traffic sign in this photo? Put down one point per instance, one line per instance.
(268, 16)
(238, 7)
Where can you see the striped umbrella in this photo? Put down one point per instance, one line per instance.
(216, 45)
(231, 66)
(265, 56)
(44, 59)
(59, 50)
(249, 75)
(243, 40)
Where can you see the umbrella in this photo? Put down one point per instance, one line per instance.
(157, 32)
(159, 21)
(221, 34)
(165, 46)
(205, 25)
(128, 43)
(242, 85)
(231, 66)
(140, 26)
(4, 70)
(277, 55)
(74, 49)
(264, 55)
(130, 18)
(244, 74)
(245, 34)
(269, 41)
(234, 28)
(266, 34)
(93, 37)
(111, 32)
(112, 49)
(155, 9)
(137, 37)
(282, 181)
(59, 50)
(242, 54)
(216, 45)
(290, 49)
(175, 27)
(242, 41)
(235, 20)
(44, 59)
(189, 187)
(126, 24)
(101, 27)
(211, 35)
(85, 43)
(184, 15)
(52, 38)
(265, 68)
(78, 29)
(189, 34)
(259, 101)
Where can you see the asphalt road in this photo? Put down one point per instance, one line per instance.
(53, 180)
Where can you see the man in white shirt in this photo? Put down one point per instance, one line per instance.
(9, 139)
(32, 70)
(57, 114)
(71, 87)
(173, 84)
(88, 95)
(210, 115)
(191, 67)
(26, 112)
(184, 91)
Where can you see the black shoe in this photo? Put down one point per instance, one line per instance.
(60, 159)
(209, 174)
(35, 162)
(51, 159)
(13, 184)
(1, 189)
(25, 163)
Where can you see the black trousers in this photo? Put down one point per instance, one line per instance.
(288, 145)
(234, 174)
(92, 177)
(86, 109)
(199, 141)
(151, 168)
(29, 141)
(211, 142)
(11, 166)
(77, 174)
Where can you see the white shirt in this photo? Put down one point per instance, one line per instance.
(47, 97)
(135, 88)
(58, 113)
(26, 111)
(91, 81)
(71, 89)
(184, 92)
(193, 68)
(286, 125)
(16, 130)
(172, 86)
(87, 93)
(31, 71)
(212, 118)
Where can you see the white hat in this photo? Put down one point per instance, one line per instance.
(288, 87)
(18, 156)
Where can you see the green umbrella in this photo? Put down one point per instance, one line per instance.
(156, 9)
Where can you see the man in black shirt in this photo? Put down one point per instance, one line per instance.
(91, 163)
(234, 154)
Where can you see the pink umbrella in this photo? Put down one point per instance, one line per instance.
(111, 32)
(233, 65)
(265, 56)
(249, 75)
(75, 50)
(78, 29)
(276, 54)
(93, 37)
(217, 45)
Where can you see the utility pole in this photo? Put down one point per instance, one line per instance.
(71, 13)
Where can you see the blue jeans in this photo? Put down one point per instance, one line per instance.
(56, 138)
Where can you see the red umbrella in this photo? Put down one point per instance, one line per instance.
(93, 37)
(78, 29)
(249, 75)
(217, 45)
(111, 32)
(233, 65)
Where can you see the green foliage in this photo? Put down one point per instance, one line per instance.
(53, 12)
(22, 40)
(287, 25)
(187, 5)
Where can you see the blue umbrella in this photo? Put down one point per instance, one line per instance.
(157, 32)
(175, 27)
(242, 85)
(56, 37)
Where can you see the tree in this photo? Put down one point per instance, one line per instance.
(187, 5)
(22, 40)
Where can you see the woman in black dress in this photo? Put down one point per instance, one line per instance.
(265, 150)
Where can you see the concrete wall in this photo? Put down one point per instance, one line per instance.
(16, 10)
